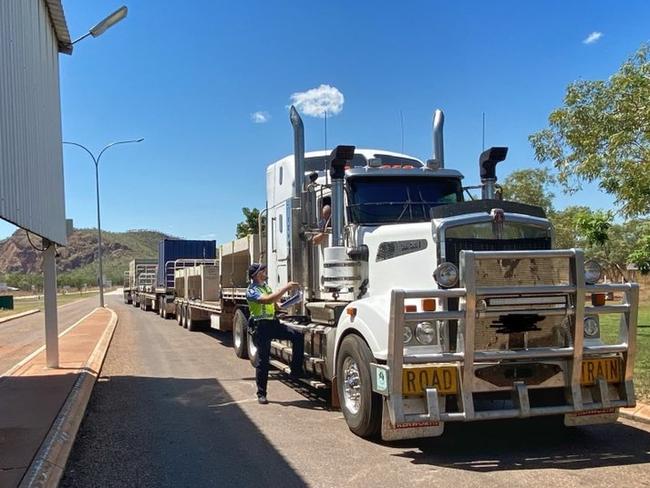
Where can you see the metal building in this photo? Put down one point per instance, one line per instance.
(32, 34)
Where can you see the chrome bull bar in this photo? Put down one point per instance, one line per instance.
(389, 383)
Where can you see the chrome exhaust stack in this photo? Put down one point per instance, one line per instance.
(487, 164)
(340, 157)
(298, 153)
(438, 160)
(298, 261)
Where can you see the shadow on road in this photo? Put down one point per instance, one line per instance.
(141, 431)
(538, 444)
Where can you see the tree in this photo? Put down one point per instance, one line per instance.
(602, 134)
(565, 223)
(250, 223)
(531, 186)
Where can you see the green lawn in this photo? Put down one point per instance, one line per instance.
(609, 331)
(31, 304)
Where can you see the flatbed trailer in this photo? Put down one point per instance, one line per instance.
(214, 294)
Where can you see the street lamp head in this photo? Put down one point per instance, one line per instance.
(109, 21)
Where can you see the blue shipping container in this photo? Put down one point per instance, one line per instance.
(170, 250)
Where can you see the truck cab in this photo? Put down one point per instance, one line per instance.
(423, 308)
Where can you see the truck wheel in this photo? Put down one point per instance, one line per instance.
(240, 334)
(191, 323)
(163, 310)
(179, 314)
(360, 405)
(251, 348)
(184, 317)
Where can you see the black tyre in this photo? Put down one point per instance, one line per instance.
(179, 314)
(163, 311)
(184, 317)
(240, 334)
(361, 407)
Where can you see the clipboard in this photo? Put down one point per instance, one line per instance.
(292, 300)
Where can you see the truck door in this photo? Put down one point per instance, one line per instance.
(282, 242)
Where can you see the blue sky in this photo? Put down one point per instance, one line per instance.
(187, 76)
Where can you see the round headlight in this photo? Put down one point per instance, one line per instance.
(446, 274)
(593, 272)
(592, 327)
(425, 332)
(408, 334)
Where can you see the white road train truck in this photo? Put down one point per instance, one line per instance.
(424, 309)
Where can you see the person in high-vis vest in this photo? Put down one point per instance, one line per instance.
(266, 327)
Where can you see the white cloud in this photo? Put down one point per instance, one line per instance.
(260, 117)
(593, 37)
(318, 101)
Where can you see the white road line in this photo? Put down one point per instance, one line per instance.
(23, 361)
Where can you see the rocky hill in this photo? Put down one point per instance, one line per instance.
(17, 256)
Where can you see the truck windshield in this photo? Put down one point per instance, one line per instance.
(383, 200)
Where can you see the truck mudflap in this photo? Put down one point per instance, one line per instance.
(596, 402)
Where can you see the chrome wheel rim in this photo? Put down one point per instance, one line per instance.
(351, 385)
(238, 331)
(252, 350)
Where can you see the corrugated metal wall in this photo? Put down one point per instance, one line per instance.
(31, 156)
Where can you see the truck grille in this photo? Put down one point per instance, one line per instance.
(453, 246)
(506, 331)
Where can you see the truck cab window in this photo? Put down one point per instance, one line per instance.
(385, 200)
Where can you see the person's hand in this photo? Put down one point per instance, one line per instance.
(292, 285)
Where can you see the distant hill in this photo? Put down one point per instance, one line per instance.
(77, 261)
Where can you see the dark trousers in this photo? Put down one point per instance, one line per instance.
(265, 332)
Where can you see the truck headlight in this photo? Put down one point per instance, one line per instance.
(592, 327)
(425, 333)
(408, 334)
(593, 272)
(446, 274)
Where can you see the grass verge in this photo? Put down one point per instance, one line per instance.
(609, 326)
(32, 303)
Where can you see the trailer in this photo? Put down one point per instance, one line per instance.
(215, 293)
(137, 267)
(159, 294)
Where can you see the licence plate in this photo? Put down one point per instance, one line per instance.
(415, 380)
(607, 368)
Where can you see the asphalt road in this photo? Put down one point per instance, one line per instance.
(20, 337)
(176, 408)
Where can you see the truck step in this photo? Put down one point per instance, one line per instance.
(318, 385)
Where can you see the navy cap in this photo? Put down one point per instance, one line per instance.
(255, 268)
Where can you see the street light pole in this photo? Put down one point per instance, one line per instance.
(99, 222)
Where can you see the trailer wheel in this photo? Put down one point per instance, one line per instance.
(163, 311)
(179, 314)
(184, 311)
(191, 323)
(251, 348)
(360, 405)
(240, 334)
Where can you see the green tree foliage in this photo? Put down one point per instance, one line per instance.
(640, 256)
(602, 134)
(594, 226)
(249, 224)
(531, 186)
(565, 223)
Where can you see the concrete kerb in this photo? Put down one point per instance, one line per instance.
(18, 315)
(48, 465)
(640, 413)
